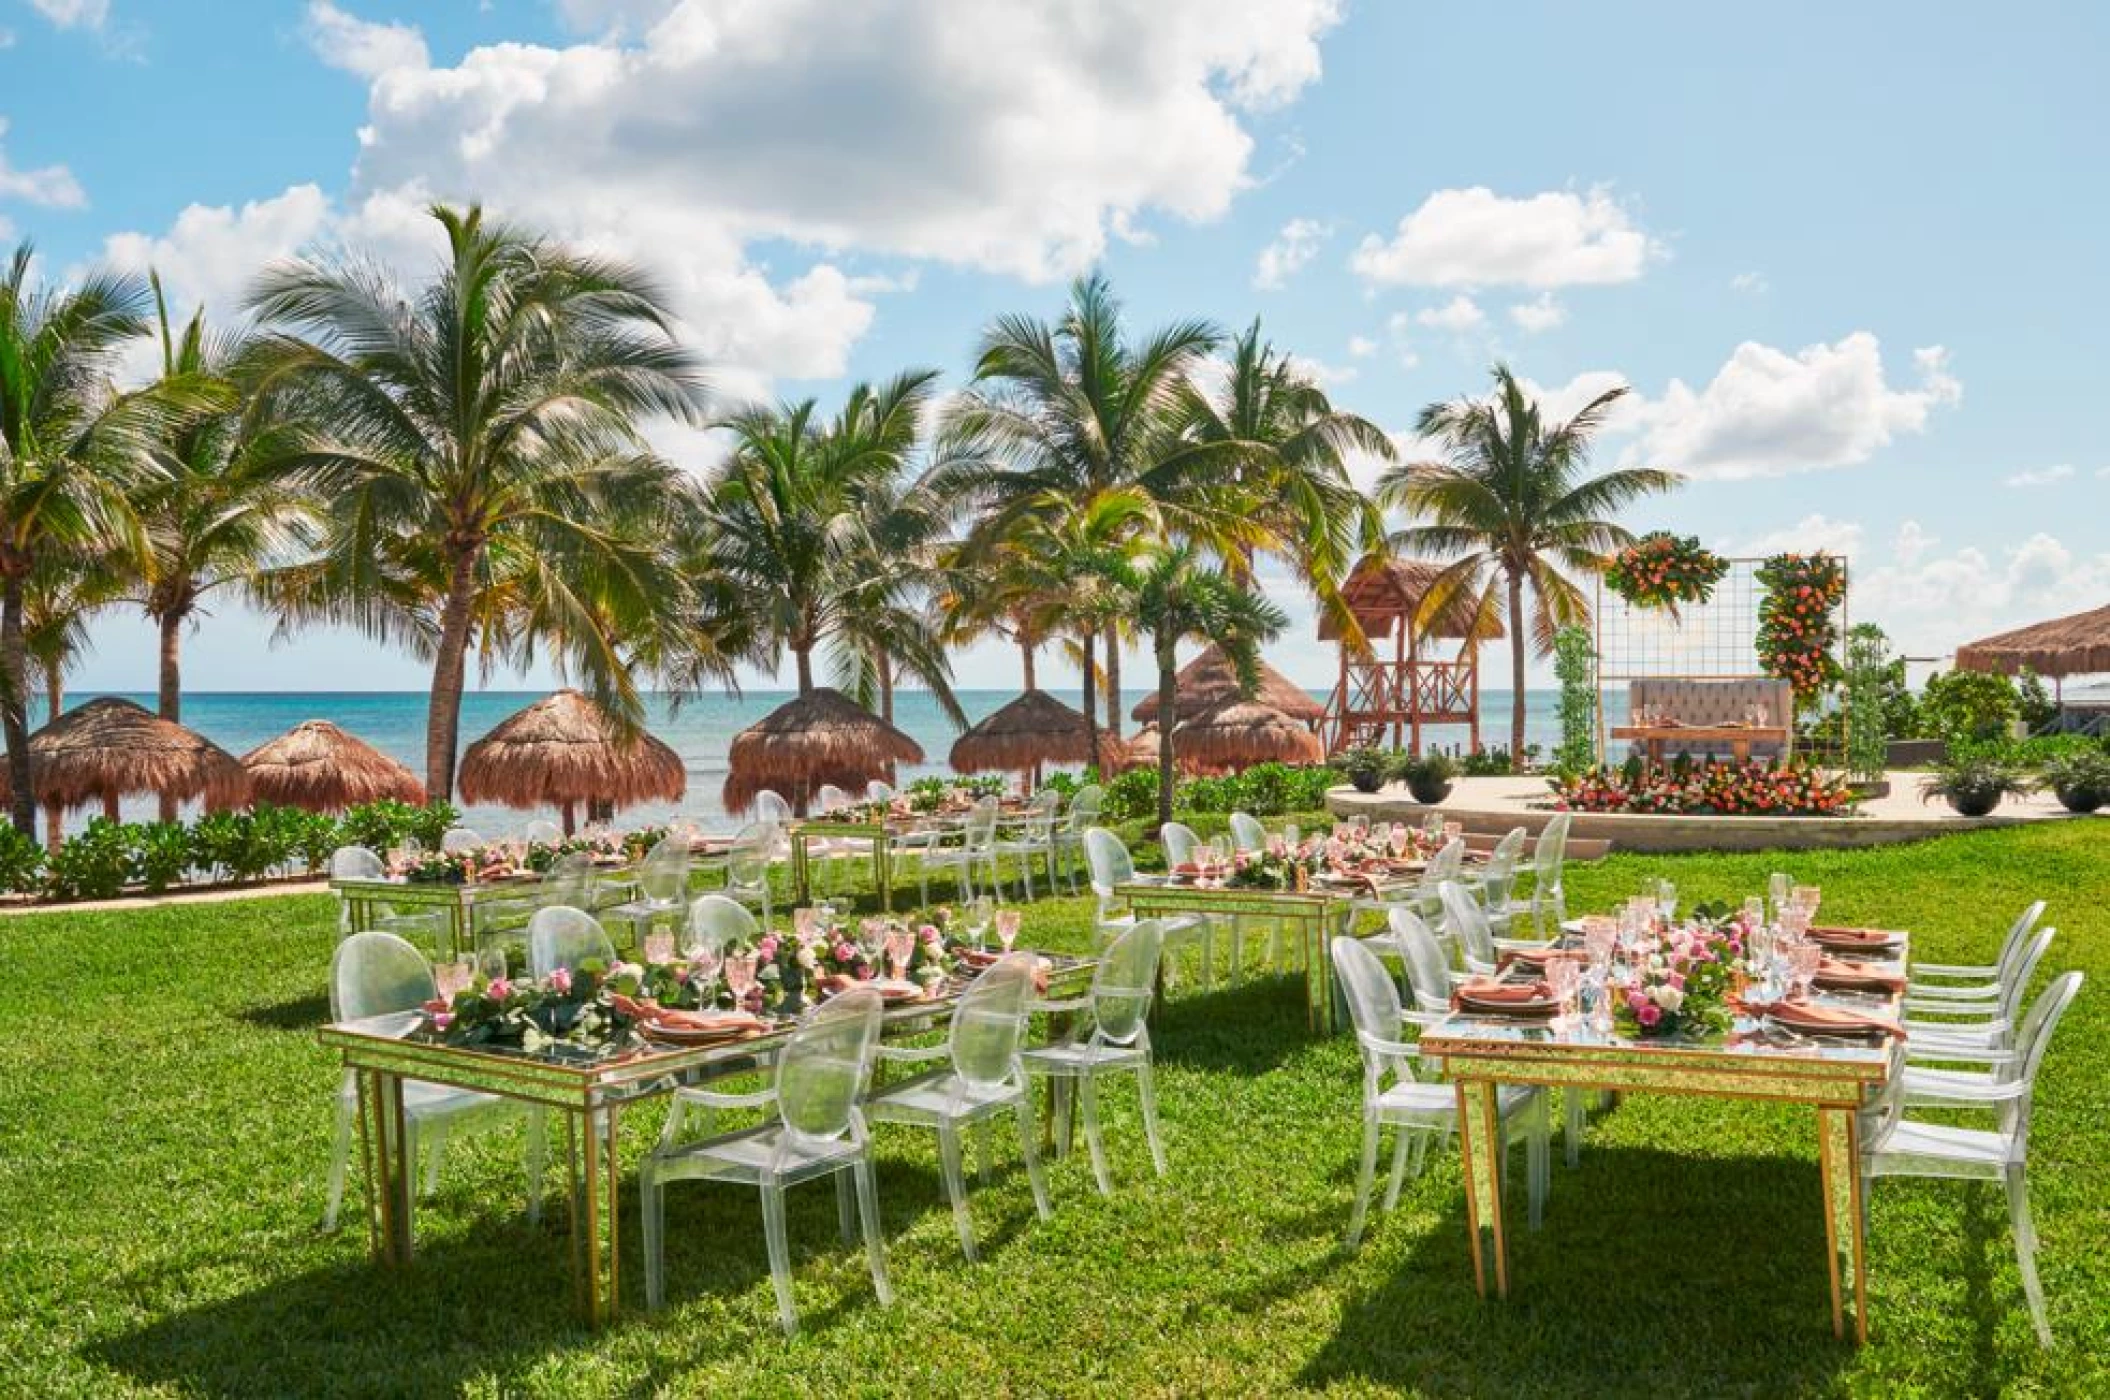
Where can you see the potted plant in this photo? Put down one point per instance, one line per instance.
(1427, 777)
(2080, 780)
(1363, 766)
(1973, 786)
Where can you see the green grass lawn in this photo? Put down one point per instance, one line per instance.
(165, 1116)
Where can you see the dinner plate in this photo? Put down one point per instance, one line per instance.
(891, 990)
(1523, 1010)
(698, 1035)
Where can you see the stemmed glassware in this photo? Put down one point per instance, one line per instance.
(454, 976)
(900, 944)
(1666, 900)
(980, 914)
(740, 971)
(1007, 928)
(659, 946)
(1564, 977)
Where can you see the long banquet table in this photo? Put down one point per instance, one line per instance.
(591, 1089)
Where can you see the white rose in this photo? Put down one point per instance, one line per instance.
(1669, 998)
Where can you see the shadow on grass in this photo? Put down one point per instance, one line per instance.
(304, 1013)
(1248, 1029)
(1653, 1274)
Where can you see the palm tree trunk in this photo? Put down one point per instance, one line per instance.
(1113, 682)
(805, 664)
(443, 717)
(886, 687)
(54, 690)
(171, 703)
(14, 717)
(1091, 702)
(1026, 663)
(1516, 667)
(1168, 683)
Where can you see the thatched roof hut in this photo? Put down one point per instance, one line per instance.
(1032, 730)
(1141, 751)
(1211, 679)
(564, 750)
(820, 737)
(2066, 646)
(1382, 591)
(109, 747)
(318, 767)
(1241, 733)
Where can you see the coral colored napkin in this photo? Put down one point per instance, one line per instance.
(1540, 957)
(1511, 998)
(1824, 1020)
(1834, 936)
(1831, 972)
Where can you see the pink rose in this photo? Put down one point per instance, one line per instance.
(842, 952)
(442, 1019)
(560, 980)
(499, 989)
(766, 950)
(1648, 1013)
(1676, 979)
(681, 974)
(932, 937)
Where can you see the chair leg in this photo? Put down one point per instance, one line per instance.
(652, 1212)
(1088, 1090)
(956, 1186)
(985, 1149)
(1577, 1109)
(779, 1257)
(868, 1211)
(537, 1159)
(1538, 1158)
(1365, 1177)
(2026, 1250)
(340, 1154)
(846, 1207)
(1402, 1139)
(1237, 948)
(1029, 1148)
(435, 1146)
(1147, 1091)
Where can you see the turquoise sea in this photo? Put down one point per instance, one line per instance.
(699, 728)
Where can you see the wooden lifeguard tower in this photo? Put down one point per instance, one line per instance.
(1410, 689)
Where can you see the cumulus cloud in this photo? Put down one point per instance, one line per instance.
(1363, 347)
(1930, 602)
(1541, 313)
(1475, 237)
(74, 14)
(1295, 246)
(362, 47)
(211, 252)
(2041, 476)
(1753, 283)
(1459, 314)
(49, 186)
(1816, 533)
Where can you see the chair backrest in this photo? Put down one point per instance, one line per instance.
(830, 798)
(1373, 1000)
(747, 859)
(1038, 827)
(2031, 1041)
(1428, 971)
(717, 921)
(373, 974)
(1109, 860)
(876, 791)
(542, 832)
(1499, 875)
(771, 807)
(563, 937)
(2017, 935)
(1126, 977)
(822, 1068)
(1552, 847)
(1467, 922)
(459, 838)
(1247, 834)
(979, 834)
(1180, 842)
(570, 881)
(1084, 807)
(1444, 865)
(664, 877)
(990, 1020)
(356, 863)
(2016, 987)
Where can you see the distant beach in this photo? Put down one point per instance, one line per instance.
(699, 728)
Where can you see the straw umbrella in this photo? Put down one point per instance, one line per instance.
(320, 768)
(820, 737)
(564, 750)
(1210, 679)
(1140, 750)
(2066, 646)
(1033, 730)
(109, 748)
(1240, 733)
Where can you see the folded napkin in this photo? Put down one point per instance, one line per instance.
(1824, 1020)
(1540, 957)
(652, 1013)
(1831, 972)
(1515, 998)
(1834, 936)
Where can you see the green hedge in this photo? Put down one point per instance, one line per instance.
(1264, 790)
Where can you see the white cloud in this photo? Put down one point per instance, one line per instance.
(1475, 237)
(7, 38)
(1912, 543)
(1753, 283)
(210, 254)
(1399, 329)
(1296, 245)
(1363, 347)
(1816, 533)
(1325, 375)
(359, 46)
(50, 186)
(1458, 314)
(74, 14)
(2041, 476)
(1542, 313)
(1931, 603)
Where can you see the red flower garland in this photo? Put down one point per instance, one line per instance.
(1662, 570)
(1755, 789)
(1798, 627)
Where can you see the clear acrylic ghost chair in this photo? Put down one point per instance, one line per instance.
(833, 852)
(1443, 868)
(1498, 880)
(1959, 982)
(747, 863)
(968, 848)
(1181, 844)
(662, 889)
(817, 1130)
(1417, 1110)
(1901, 1146)
(1466, 923)
(358, 863)
(377, 974)
(876, 791)
(542, 832)
(1034, 839)
(459, 838)
(982, 1082)
(1978, 1025)
(1548, 901)
(1428, 974)
(770, 807)
(715, 921)
(566, 938)
(1932, 1080)
(1069, 834)
(1111, 867)
(1183, 847)
(1118, 1043)
(1248, 837)
(1247, 834)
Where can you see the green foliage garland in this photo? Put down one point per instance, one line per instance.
(1662, 570)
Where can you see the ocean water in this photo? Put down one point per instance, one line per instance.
(699, 728)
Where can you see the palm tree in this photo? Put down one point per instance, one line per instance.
(215, 514)
(484, 476)
(61, 596)
(1509, 502)
(71, 447)
(1178, 599)
(889, 626)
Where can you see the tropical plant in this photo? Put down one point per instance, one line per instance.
(71, 447)
(61, 595)
(889, 619)
(484, 481)
(2080, 779)
(21, 862)
(2033, 703)
(1868, 668)
(1179, 599)
(1428, 776)
(1509, 505)
(1973, 786)
(1965, 707)
(1365, 765)
(1575, 667)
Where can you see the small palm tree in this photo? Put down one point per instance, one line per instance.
(889, 622)
(1179, 599)
(485, 481)
(1510, 505)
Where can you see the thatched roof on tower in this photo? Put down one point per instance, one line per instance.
(1380, 590)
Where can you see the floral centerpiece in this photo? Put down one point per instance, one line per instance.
(1662, 570)
(805, 965)
(1683, 979)
(1754, 789)
(1798, 625)
(571, 1006)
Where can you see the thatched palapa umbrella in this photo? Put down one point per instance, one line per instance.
(820, 737)
(564, 750)
(2065, 646)
(1141, 751)
(320, 768)
(1033, 730)
(1240, 733)
(1210, 679)
(109, 747)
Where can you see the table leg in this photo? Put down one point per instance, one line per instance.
(1740, 750)
(391, 1169)
(596, 1175)
(1480, 1157)
(883, 871)
(798, 867)
(1839, 1168)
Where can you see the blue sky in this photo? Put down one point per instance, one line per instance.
(1849, 258)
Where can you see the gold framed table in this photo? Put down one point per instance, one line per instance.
(880, 836)
(1316, 914)
(1654, 738)
(456, 903)
(1836, 1078)
(591, 1089)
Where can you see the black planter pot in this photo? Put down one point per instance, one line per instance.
(1366, 782)
(2080, 799)
(1974, 804)
(1429, 791)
